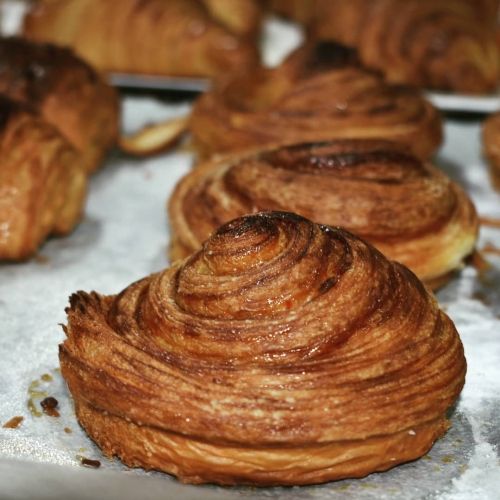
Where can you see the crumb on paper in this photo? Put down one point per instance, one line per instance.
(88, 462)
(41, 259)
(13, 423)
(49, 406)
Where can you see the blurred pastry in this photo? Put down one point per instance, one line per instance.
(42, 181)
(318, 93)
(296, 10)
(242, 17)
(174, 37)
(441, 44)
(281, 353)
(491, 147)
(66, 92)
(378, 190)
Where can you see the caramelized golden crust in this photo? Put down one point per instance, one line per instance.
(283, 352)
(67, 92)
(407, 208)
(42, 182)
(319, 93)
(444, 44)
(491, 147)
(174, 37)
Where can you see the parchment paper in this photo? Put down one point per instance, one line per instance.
(122, 238)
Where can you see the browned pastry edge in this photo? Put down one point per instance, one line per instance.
(491, 147)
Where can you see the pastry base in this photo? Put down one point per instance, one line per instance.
(194, 461)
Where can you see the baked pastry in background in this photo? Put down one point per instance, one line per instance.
(441, 44)
(318, 93)
(242, 17)
(491, 147)
(66, 92)
(304, 12)
(378, 190)
(174, 37)
(42, 181)
(281, 353)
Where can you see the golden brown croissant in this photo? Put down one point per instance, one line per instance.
(66, 91)
(491, 146)
(407, 208)
(283, 352)
(42, 181)
(174, 37)
(318, 93)
(444, 44)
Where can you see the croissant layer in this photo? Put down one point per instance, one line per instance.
(174, 37)
(42, 181)
(407, 208)
(283, 352)
(66, 92)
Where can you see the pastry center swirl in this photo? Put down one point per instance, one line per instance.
(364, 161)
(263, 265)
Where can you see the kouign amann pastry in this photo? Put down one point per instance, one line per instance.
(491, 146)
(282, 353)
(42, 181)
(442, 44)
(67, 93)
(174, 37)
(407, 208)
(318, 93)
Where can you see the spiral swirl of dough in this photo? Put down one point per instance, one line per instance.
(283, 352)
(378, 190)
(318, 93)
